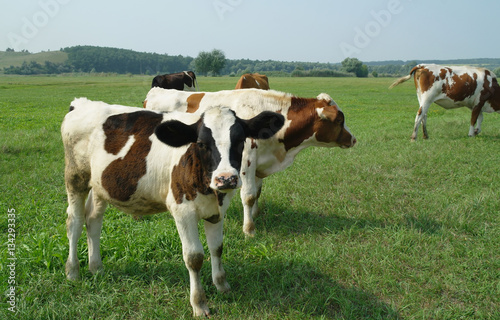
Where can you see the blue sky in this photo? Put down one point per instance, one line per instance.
(312, 30)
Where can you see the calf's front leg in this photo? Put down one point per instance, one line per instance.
(192, 252)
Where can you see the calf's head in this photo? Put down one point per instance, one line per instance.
(218, 139)
(331, 128)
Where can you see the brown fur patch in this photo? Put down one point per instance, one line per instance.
(424, 79)
(302, 115)
(305, 122)
(120, 178)
(195, 261)
(77, 181)
(193, 102)
(495, 95)
(442, 74)
(189, 178)
(250, 201)
(329, 129)
(213, 219)
(219, 251)
(463, 86)
(253, 80)
(254, 144)
(486, 94)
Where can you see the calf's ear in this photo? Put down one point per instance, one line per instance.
(264, 125)
(176, 134)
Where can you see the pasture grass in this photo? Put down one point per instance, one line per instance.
(386, 230)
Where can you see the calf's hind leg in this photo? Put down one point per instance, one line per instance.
(421, 118)
(74, 226)
(94, 211)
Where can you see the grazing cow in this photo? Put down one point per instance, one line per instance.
(309, 122)
(145, 162)
(185, 80)
(454, 87)
(253, 80)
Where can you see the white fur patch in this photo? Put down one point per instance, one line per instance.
(327, 98)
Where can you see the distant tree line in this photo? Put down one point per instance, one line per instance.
(99, 59)
(214, 63)
(33, 67)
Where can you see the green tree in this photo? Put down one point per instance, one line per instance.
(355, 66)
(213, 62)
(202, 63)
(218, 61)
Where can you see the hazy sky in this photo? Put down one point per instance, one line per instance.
(286, 30)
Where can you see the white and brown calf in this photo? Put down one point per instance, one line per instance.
(309, 122)
(454, 87)
(146, 162)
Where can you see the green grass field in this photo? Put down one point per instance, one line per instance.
(386, 230)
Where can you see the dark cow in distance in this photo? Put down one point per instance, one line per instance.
(454, 87)
(145, 162)
(309, 122)
(185, 81)
(253, 80)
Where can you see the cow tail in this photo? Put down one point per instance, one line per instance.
(399, 81)
(404, 79)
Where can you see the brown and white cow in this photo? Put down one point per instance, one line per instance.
(454, 87)
(185, 80)
(253, 80)
(309, 122)
(146, 162)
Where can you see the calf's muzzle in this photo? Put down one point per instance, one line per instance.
(226, 181)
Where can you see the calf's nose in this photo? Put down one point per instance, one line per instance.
(226, 181)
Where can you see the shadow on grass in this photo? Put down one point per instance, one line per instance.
(298, 288)
(284, 221)
(266, 289)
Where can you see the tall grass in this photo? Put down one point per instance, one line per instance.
(386, 230)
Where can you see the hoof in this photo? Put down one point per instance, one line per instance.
(96, 268)
(72, 272)
(249, 229)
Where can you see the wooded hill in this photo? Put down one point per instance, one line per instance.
(122, 61)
